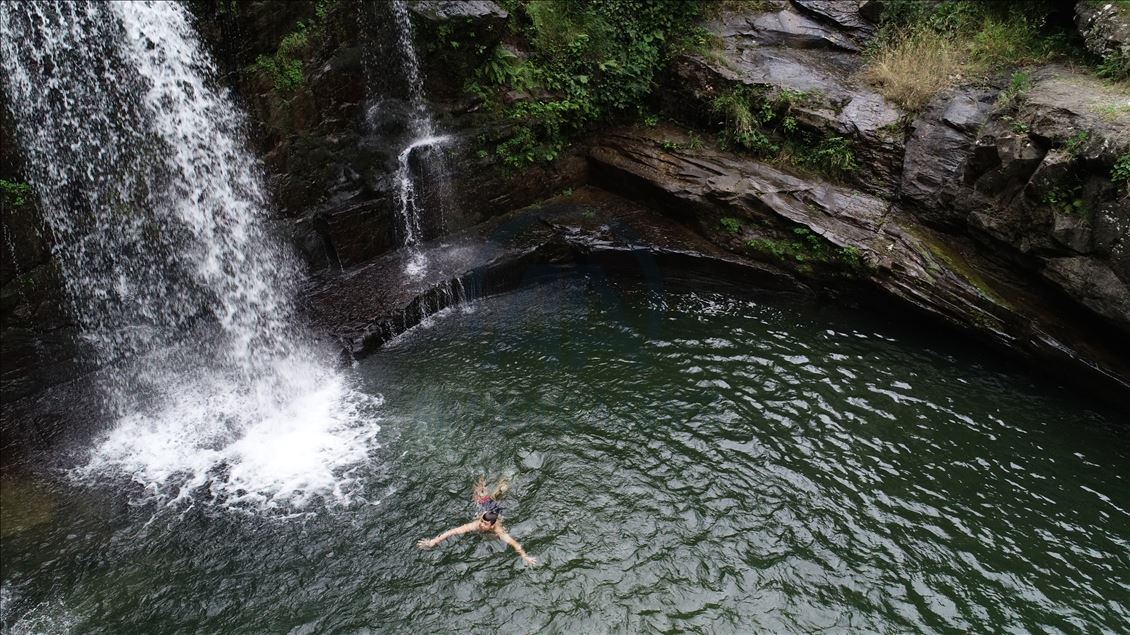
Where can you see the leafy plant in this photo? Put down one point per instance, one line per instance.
(588, 61)
(1120, 173)
(14, 194)
(1075, 144)
(922, 47)
(834, 156)
(731, 225)
(1019, 83)
(1065, 198)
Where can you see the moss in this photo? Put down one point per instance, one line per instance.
(806, 249)
(14, 194)
(957, 264)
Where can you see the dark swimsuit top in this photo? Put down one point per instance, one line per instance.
(488, 504)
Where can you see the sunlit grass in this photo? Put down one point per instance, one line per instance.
(915, 66)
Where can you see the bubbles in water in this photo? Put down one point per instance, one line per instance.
(242, 445)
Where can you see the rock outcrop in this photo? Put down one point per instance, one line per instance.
(1032, 172)
(830, 235)
(816, 57)
(1105, 27)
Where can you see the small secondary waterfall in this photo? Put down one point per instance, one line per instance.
(423, 144)
(159, 219)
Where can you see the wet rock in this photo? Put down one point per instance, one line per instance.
(472, 11)
(452, 38)
(1091, 281)
(784, 28)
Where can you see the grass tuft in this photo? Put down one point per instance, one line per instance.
(915, 66)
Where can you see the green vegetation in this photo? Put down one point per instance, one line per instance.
(833, 156)
(807, 248)
(1065, 198)
(731, 225)
(1074, 146)
(1120, 173)
(14, 194)
(922, 47)
(693, 142)
(583, 62)
(284, 71)
(763, 124)
(1018, 84)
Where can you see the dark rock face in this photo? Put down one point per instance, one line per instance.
(1035, 179)
(942, 275)
(38, 340)
(852, 17)
(331, 144)
(940, 143)
(362, 308)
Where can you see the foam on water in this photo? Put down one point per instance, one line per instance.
(159, 217)
(241, 445)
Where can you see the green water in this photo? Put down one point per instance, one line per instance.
(678, 463)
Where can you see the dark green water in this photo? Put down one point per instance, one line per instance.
(678, 463)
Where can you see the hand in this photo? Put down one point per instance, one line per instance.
(529, 560)
(426, 543)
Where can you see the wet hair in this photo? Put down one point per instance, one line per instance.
(490, 516)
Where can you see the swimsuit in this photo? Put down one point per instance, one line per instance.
(488, 504)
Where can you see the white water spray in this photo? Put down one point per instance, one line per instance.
(159, 218)
(425, 138)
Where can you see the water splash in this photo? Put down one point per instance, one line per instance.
(409, 204)
(160, 225)
(424, 138)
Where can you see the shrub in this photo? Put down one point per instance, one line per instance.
(731, 225)
(1120, 173)
(589, 61)
(14, 194)
(914, 66)
(921, 47)
(833, 156)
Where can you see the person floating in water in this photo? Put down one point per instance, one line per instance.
(489, 520)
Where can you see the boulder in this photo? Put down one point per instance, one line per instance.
(848, 16)
(1091, 282)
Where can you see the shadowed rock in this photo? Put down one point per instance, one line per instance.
(945, 277)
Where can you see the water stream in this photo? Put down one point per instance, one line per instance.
(685, 462)
(424, 148)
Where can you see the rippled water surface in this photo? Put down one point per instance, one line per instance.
(684, 462)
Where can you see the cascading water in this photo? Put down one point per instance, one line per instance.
(158, 215)
(425, 139)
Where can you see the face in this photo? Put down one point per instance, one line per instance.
(485, 526)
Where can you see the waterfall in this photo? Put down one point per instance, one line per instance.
(424, 144)
(160, 227)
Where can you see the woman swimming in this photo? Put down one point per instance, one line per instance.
(488, 521)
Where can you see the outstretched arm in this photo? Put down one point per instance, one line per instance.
(428, 543)
(528, 559)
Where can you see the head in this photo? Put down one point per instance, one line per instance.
(488, 521)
